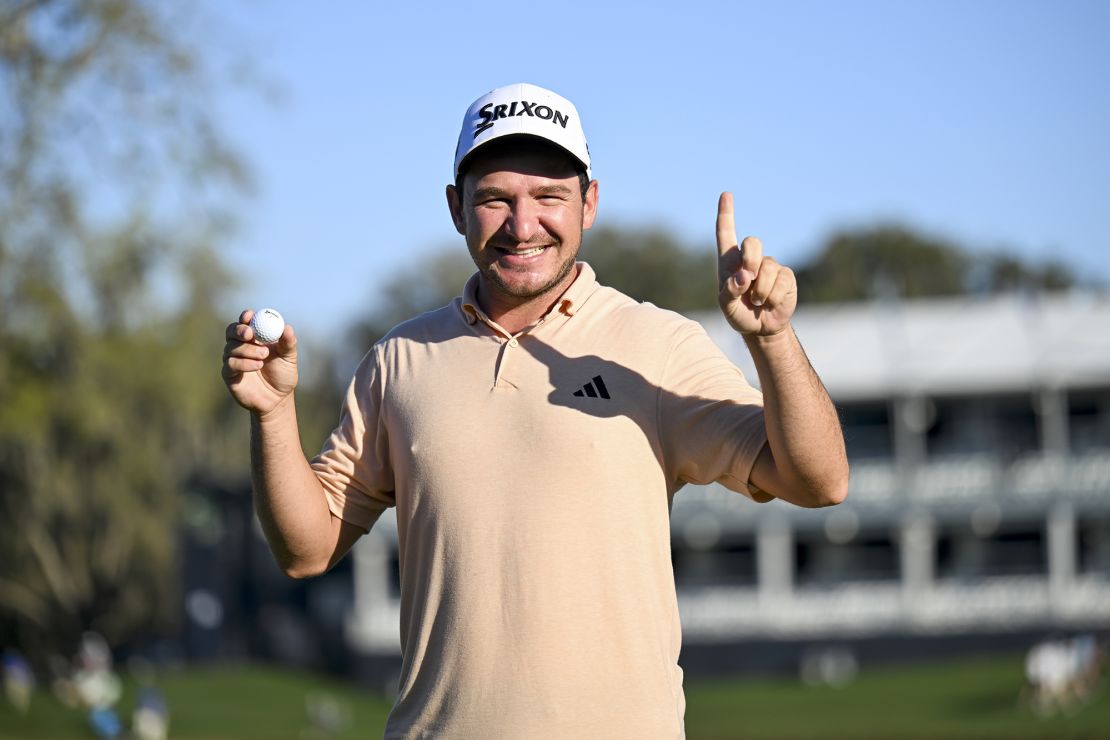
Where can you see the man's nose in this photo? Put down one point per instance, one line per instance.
(523, 222)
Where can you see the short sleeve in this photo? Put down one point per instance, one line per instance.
(354, 466)
(710, 417)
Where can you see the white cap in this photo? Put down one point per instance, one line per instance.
(522, 109)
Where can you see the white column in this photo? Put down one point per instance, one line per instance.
(918, 556)
(911, 419)
(1062, 550)
(775, 557)
(372, 624)
(1052, 416)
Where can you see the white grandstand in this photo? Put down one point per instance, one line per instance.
(978, 431)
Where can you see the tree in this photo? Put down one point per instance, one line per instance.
(892, 261)
(438, 278)
(651, 265)
(115, 187)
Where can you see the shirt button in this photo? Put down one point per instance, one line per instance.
(513, 343)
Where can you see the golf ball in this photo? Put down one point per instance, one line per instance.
(268, 326)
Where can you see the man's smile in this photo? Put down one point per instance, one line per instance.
(515, 256)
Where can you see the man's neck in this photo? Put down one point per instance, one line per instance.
(517, 315)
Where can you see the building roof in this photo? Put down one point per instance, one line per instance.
(948, 346)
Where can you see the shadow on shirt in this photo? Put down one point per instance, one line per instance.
(700, 438)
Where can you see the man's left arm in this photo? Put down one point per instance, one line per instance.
(804, 461)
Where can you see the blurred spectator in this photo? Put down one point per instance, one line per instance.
(97, 685)
(328, 717)
(105, 722)
(1062, 674)
(151, 719)
(19, 681)
(829, 666)
(61, 682)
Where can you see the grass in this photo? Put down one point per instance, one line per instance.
(956, 699)
(966, 699)
(218, 702)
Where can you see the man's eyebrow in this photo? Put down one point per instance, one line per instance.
(489, 192)
(553, 189)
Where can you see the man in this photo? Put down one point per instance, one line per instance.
(532, 435)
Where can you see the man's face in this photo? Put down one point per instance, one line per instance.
(523, 214)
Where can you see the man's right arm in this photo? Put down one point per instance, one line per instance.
(305, 537)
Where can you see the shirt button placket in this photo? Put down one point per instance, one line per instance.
(507, 344)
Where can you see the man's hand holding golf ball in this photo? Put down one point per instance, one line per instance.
(260, 360)
(305, 537)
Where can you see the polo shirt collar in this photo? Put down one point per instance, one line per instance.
(581, 289)
(572, 299)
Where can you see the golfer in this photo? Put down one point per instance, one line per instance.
(532, 436)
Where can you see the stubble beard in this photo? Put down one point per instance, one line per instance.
(497, 281)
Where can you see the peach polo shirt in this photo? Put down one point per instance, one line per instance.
(533, 476)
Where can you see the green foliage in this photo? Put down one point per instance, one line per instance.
(99, 430)
(651, 265)
(436, 279)
(104, 414)
(892, 261)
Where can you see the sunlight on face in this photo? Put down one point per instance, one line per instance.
(523, 215)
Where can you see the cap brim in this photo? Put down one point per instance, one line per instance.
(468, 159)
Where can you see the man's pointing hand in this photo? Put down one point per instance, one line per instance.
(757, 294)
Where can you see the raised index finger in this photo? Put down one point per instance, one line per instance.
(726, 225)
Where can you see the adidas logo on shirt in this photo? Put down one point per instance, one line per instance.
(594, 389)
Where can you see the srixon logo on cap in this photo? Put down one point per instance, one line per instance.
(489, 113)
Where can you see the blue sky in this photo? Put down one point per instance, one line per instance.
(984, 122)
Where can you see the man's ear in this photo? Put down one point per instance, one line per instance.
(454, 203)
(589, 205)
